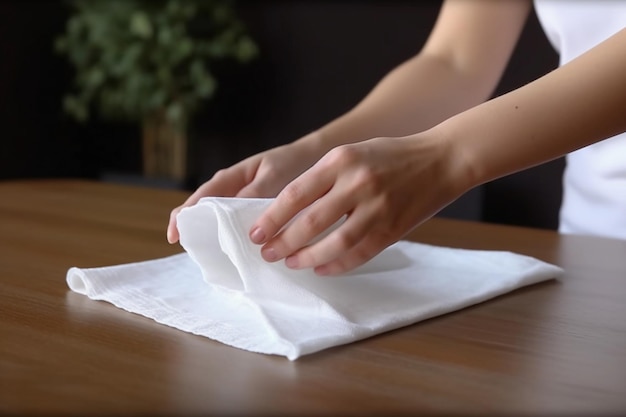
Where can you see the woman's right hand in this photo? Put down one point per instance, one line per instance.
(262, 175)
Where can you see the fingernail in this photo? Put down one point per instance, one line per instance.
(257, 235)
(269, 254)
(291, 262)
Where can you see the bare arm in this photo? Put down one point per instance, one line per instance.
(458, 67)
(388, 186)
(578, 104)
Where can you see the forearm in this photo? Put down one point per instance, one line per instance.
(415, 96)
(578, 104)
(458, 67)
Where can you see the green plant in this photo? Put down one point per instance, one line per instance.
(134, 58)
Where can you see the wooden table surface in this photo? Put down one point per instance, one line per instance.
(552, 348)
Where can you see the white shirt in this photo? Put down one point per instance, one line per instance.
(594, 181)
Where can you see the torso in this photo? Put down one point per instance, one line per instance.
(594, 181)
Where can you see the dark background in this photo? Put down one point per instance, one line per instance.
(317, 59)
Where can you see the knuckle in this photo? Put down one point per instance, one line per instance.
(270, 226)
(292, 194)
(344, 240)
(385, 207)
(220, 174)
(359, 256)
(343, 155)
(311, 221)
(272, 172)
(366, 176)
(366, 252)
(308, 258)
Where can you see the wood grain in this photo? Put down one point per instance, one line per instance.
(553, 348)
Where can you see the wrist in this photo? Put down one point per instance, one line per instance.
(311, 144)
(460, 165)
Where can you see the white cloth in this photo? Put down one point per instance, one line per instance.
(222, 288)
(594, 181)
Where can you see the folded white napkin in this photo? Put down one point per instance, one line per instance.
(222, 288)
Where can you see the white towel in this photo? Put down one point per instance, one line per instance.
(221, 288)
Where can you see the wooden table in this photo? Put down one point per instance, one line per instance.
(552, 348)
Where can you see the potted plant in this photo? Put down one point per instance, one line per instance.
(149, 61)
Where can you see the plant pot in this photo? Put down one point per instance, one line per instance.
(164, 148)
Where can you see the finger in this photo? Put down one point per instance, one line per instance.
(264, 183)
(172, 229)
(265, 187)
(337, 244)
(363, 252)
(308, 225)
(297, 195)
(224, 183)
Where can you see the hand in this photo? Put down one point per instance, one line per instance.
(385, 187)
(261, 175)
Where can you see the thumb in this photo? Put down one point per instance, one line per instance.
(172, 229)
